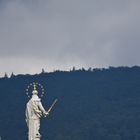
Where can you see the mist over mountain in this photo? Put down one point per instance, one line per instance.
(94, 104)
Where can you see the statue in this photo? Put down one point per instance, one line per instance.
(34, 111)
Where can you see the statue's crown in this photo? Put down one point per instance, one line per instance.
(34, 92)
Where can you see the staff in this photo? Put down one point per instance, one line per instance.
(52, 106)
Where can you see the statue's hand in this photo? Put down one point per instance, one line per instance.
(46, 114)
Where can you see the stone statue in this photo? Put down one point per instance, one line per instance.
(34, 111)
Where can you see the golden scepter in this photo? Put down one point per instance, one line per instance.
(54, 102)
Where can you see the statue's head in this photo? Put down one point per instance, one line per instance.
(34, 92)
(35, 89)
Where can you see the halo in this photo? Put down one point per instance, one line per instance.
(30, 87)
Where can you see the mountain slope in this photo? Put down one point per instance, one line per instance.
(102, 104)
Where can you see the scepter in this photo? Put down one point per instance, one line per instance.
(54, 102)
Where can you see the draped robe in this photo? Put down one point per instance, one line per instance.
(34, 111)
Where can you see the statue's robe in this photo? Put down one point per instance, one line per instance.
(34, 111)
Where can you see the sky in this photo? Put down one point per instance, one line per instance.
(60, 34)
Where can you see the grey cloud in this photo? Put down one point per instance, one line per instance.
(59, 34)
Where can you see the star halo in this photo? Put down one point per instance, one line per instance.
(39, 88)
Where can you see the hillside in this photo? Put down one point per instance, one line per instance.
(98, 104)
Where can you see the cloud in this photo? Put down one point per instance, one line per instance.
(59, 34)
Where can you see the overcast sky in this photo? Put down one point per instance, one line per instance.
(60, 34)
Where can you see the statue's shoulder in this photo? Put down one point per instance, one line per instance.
(29, 102)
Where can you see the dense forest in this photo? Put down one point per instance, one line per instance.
(93, 104)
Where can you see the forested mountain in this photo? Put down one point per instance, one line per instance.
(98, 104)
